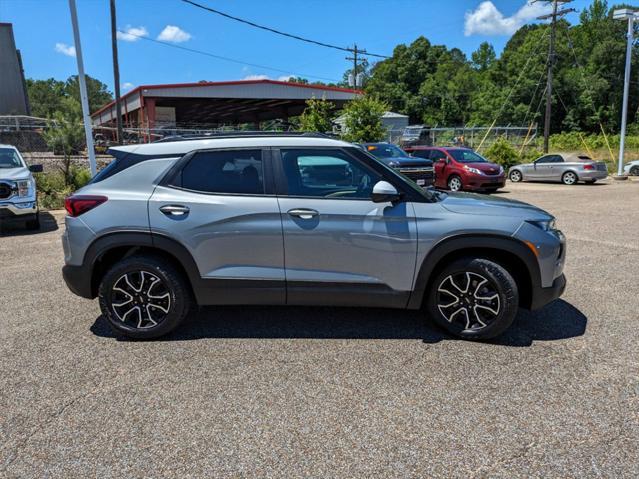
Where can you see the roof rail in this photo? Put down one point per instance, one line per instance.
(243, 134)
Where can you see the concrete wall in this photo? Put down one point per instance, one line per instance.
(13, 98)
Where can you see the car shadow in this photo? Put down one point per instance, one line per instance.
(48, 223)
(558, 320)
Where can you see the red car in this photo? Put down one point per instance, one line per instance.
(461, 168)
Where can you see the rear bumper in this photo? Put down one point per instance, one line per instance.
(543, 296)
(78, 280)
(593, 175)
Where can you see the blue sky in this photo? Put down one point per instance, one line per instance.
(43, 34)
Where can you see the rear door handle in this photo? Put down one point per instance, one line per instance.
(304, 213)
(175, 210)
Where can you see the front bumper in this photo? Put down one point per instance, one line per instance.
(422, 176)
(10, 211)
(543, 296)
(484, 182)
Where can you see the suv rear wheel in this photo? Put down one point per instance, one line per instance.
(144, 297)
(474, 298)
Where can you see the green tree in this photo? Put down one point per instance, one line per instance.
(97, 92)
(317, 116)
(363, 119)
(48, 97)
(484, 57)
(65, 136)
(502, 153)
(45, 96)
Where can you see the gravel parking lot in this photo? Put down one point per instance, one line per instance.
(323, 392)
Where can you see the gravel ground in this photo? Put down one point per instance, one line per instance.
(323, 392)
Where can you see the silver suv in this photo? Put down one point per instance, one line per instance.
(298, 220)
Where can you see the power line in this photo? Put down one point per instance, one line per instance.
(278, 32)
(232, 60)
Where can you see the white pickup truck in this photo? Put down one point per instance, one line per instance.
(18, 200)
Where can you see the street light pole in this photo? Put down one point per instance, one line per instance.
(84, 99)
(630, 15)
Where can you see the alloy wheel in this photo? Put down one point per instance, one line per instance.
(469, 300)
(569, 178)
(454, 184)
(140, 299)
(515, 176)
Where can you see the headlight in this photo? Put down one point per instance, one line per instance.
(546, 225)
(24, 187)
(473, 170)
(501, 170)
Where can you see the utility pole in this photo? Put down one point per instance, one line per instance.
(116, 72)
(556, 13)
(623, 14)
(355, 51)
(84, 99)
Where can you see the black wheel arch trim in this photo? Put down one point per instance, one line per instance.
(102, 245)
(463, 242)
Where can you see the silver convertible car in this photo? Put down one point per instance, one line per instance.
(567, 168)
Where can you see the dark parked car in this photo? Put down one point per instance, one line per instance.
(461, 168)
(419, 170)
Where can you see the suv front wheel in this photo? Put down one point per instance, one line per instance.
(144, 297)
(473, 298)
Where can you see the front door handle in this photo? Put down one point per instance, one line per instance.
(175, 210)
(304, 213)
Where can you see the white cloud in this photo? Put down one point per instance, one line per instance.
(132, 34)
(174, 34)
(486, 19)
(266, 77)
(256, 77)
(127, 85)
(68, 50)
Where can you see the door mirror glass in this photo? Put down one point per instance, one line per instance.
(35, 168)
(384, 192)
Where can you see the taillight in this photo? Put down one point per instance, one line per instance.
(589, 167)
(80, 204)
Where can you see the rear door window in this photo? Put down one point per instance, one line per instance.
(225, 172)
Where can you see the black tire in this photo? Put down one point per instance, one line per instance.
(515, 176)
(477, 319)
(569, 178)
(634, 171)
(453, 185)
(33, 224)
(172, 293)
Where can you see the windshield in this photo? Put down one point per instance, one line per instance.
(9, 158)
(385, 151)
(467, 156)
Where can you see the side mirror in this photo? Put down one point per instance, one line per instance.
(384, 192)
(36, 169)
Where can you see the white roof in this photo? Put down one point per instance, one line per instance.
(182, 147)
(392, 114)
